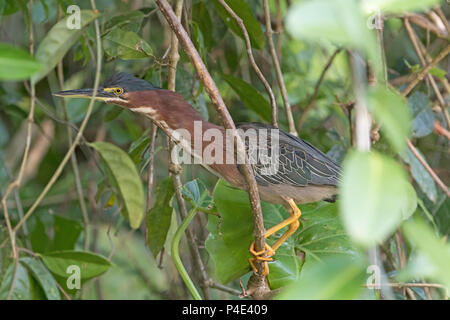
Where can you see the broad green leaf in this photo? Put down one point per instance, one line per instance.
(91, 265)
(57, 42)
(423, 116)
(374, 197)
(130, 21)
(392, 113)
(250, 97)
(231, 235)
(242, 9)
(43, 277)
(336, 277)
(398, 6)
(22, 286)
(432, 248)
(321, 232)
(201, 15)
(16, 64)
(160, 215)
(66, 233)
(125, 179)
(40, 241)
(339, 21)
(126, 45)
(421, 175)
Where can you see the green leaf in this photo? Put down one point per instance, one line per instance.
(40, 241)
(91, 265)
(130, 21)
(339, 21)
(421, 175)
(438, 72)
(374, 197)
(231, 235)
(43, 277)
(432, 248)
(423, 116)
(16, 64)
(250, 97)
(126, 180)
(336, 277)
(22, 287)
(196, 194)
(392, 113)
(200, 14)
(321, 232)
(126, 45)
(398, 6)
(57, 43)
(138, 146)
(242, 9)
(159, 216)
(66, 233)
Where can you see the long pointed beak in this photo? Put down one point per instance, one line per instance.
(84, 93)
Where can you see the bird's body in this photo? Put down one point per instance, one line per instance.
(303, 173)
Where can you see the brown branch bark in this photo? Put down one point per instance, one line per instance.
(217, 100)
(426, 69)
(428, 168)
(258, 72)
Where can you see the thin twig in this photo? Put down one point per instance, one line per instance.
(276, 63)
(175, 169)
(258, 72)
(428, 168)
(426, 68)
(441, 130)
(74, 162)
(316, 88)
(76, 141)
(16, 183)
(223, 288)
(217, 100)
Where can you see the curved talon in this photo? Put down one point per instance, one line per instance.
(258, 256)
(268, 251)
(255, 270)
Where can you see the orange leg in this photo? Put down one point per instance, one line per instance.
(265, 255)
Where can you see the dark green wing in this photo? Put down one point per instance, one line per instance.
(298, 163)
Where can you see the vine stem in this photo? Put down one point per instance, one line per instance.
(176, 254)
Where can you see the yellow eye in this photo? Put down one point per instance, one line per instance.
(118, 91)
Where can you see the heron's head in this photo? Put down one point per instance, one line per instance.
(121, 88)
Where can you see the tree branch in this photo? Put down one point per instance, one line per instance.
(217, 100)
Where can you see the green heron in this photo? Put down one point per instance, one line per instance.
(303, 173)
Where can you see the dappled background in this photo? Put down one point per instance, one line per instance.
(393, 213)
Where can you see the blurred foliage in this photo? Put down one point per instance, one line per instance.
(388, 198)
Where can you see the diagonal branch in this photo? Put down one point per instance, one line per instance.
(217, 100)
